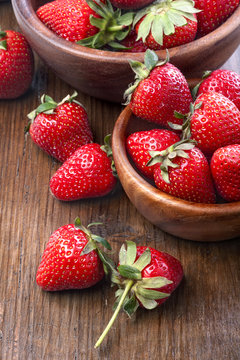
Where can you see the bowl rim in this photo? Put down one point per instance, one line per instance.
(24, 8)
(119, 148)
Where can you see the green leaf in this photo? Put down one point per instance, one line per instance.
(102, 241)
(176, 18)
(147, 303)
(108, 264)
(2, 34)
(184, 6)
(131, 252)
(99, 23)
(154, 282)
(129, 272)
(126, 19)
(139, 69)
(122, 255)
(151, 294)
(182, 154)
(150, 59)
(175, 126)
(143, 260)
(90, 246)
(131, 306)
(179, 115)
(198, 106)
(145, 27)
(168, 27)
(165, 175)
(3, 45)
(157, 29)
(77, 222)
(139, 15)
(186, 146)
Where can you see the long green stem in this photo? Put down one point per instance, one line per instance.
(127, 288)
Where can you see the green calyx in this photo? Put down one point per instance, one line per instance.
(133, 288)
(113, 26)
(108, 150)
(161, 18)
(3, 43)
(48, 105)
(142, 70)
(194, 91)
(167, 156)
(92, 244)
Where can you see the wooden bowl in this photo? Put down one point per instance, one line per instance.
(187, 220)
(105, 74)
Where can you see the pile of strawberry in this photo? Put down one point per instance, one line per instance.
(195, 154)
(134, 25)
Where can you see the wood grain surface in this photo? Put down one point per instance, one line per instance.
(199, 322)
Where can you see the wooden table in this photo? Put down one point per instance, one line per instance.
(199, 322)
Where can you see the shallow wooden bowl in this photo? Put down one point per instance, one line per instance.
(105, 74)
(188, 220)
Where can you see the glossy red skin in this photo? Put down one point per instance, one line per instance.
(182, 35)
(132, 44)
(213, 14)
(157, 96)
(130, 4)
(62, 133)
(191, 181)
(225, 167)
(216, 123)
(86, 174)
(139, 143)
(165, 265)
(16, 66)
(62, 267)
(225, 82)
(68, 19)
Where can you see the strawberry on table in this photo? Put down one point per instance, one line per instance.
(225, 82)
(91, 23)
(140, 143)
(166, 24)
(60, 128)
(146, 277)
(16, 64)
(159, 90)
(88, 172)
(183, 171)
(213, 13)
(225, 167)
(72, 259)
(213, 122)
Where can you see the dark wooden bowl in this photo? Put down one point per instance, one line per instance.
(187, 220)
(105, 74)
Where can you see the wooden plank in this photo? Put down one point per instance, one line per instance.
(200, 321)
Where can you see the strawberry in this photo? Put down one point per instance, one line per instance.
(140, 143)
(225, 167)
(130, 4)
(213, 122)
(87, 173)
(16, 64)
(89, 23)
(213, 13)
(166, 24)
(145, 277)
(60, 129)
(159, 89)
(225, 82)
(183, 171)
(72, 259)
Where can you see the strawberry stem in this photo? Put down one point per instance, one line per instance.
(113, 318)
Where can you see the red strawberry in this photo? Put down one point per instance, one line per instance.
(72, 259)
(89, 23)
(16, 65)
(132, 45)
(140, 143)
(130, 4)
(213, 13)
(60, 129)
(225, 82)
(87, 173)
(145, 277)
(183, 171)
(166, 24)
(213, 122)
(225, 167)
(159, 89)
